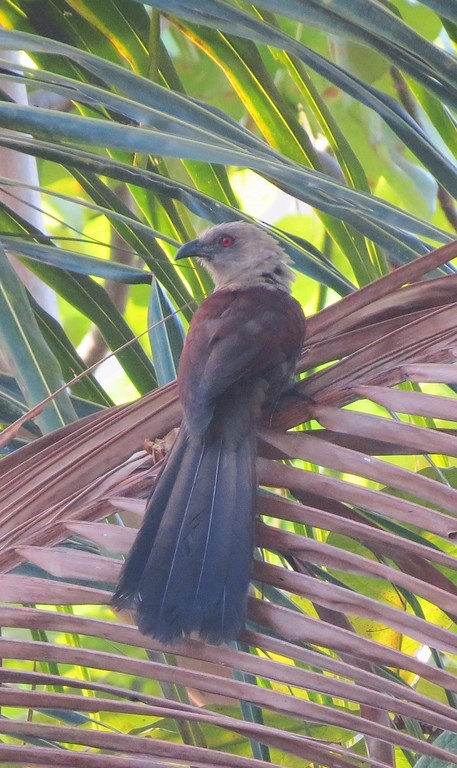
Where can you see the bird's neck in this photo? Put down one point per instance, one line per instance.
(242, 285)
(262, 279)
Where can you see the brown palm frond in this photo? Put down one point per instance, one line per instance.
(318, 632)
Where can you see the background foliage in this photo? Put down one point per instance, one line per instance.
(334, 124)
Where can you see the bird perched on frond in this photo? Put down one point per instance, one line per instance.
(190, 566)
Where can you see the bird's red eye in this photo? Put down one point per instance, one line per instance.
(226, 241)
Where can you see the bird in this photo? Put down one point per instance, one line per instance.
(189, 569)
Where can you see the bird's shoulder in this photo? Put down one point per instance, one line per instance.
(233, 308)
(254, 323)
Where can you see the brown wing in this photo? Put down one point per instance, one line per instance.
(237, 336)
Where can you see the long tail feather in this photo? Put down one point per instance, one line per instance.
(190, 566)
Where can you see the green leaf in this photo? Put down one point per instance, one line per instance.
(446, 740)
(36, 369)
(310, 186)
(166, 334)
(70, 362)
(215, 13)
(279, 126)
(76, 262)
(197, 202)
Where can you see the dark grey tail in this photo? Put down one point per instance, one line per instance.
(190, 565)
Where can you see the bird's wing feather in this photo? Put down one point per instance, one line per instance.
(239, 334)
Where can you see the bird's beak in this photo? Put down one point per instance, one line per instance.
(188, 250)
(192, 249)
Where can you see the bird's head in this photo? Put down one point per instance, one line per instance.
(238, 255)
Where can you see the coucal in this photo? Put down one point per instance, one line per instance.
(190, 565)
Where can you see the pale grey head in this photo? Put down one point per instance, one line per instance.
(239, 254)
